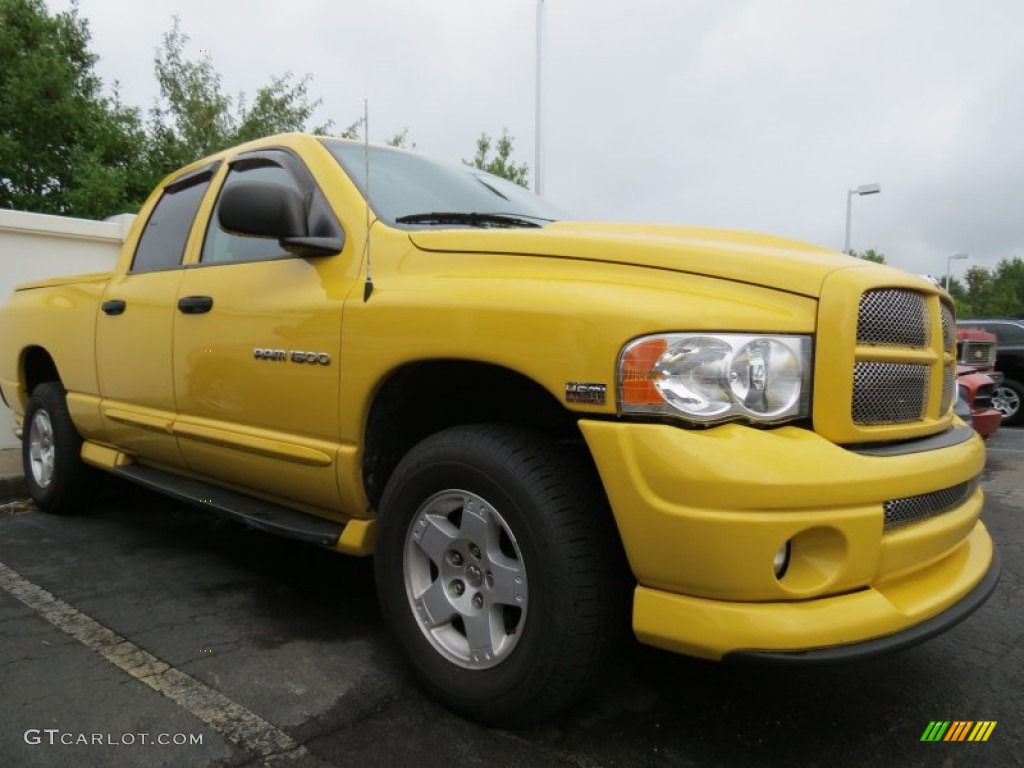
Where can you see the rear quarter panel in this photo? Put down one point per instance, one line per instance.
(59, 317)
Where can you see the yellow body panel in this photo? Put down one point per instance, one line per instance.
(712, 628)
(134, 366)
(701, 512)
(222, 387)
(552, 320)
(60, 318)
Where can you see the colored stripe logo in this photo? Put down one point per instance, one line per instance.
(958, 730)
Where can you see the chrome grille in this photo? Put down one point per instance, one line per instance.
(886, 360)
(948, 384)
(914, 509)
(893, 317)
(977, 353)
(948, 328)
(889, 393)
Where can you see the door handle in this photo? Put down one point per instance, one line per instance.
(195, 305)
(113, 307)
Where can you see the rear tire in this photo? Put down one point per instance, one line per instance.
(57, 478)
(499, 571)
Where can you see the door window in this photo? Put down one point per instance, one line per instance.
(1008, 333)
(162, 244)
(222, 246)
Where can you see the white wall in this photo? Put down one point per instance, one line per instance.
(34, 246)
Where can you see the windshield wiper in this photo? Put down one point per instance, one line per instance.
(483, 220)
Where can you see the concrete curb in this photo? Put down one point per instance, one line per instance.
(12, 478)
(12, 487)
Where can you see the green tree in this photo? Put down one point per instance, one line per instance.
(959, 293)
(979, 288)
(1010, 275)
(500, 164)
(399, 139)
(994, 292)
(194, 117)
(64, 147)
(870, 255)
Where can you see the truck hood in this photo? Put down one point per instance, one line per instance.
(775, 262)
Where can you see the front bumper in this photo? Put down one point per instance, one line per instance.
(866, 649)
(703, 513)
(986, 422)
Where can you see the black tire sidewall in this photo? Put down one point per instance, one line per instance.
(518, 680)
(1018, 389)
(67, 486)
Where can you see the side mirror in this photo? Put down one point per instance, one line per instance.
(268, 209)
(262, 209)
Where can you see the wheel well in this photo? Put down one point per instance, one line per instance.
(423, 398)
(1011, 366)
(37, 368)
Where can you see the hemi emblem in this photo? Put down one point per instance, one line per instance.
(586, 393)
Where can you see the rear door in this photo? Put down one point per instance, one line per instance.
(134, 330)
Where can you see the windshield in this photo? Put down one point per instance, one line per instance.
(428, 192)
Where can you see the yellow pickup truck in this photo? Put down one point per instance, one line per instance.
(540, 428)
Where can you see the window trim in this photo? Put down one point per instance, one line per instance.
(292, 164)
(192, 178)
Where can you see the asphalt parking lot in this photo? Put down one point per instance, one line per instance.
(135, 630)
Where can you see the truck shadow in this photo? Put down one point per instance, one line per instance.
(651, 708)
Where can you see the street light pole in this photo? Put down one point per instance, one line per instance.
(863, 189)
(537, 105)
(949, 264)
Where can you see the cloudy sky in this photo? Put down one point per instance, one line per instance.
(746, 114)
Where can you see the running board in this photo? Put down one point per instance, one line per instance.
(256, 513)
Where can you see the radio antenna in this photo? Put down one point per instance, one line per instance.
(368, 285)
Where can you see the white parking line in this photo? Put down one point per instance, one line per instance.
(245, 728)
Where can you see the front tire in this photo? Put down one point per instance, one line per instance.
(1008, 398)
(51, 448)
(498, 570)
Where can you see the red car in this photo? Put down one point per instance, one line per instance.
(977, 378)
(976, 390)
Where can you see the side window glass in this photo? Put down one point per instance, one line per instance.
(1010, 334)
(162, 244)
(221, 246)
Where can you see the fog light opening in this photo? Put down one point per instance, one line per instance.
(781, 560)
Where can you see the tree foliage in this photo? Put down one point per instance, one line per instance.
(399, 139)
(501, 163)
(194, 117)
(67, 148)
(991, 292)
(870, 255)
(64, 147)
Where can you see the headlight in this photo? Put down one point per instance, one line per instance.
(716, 377)
(961, 406)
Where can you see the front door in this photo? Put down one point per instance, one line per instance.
(256, 360)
